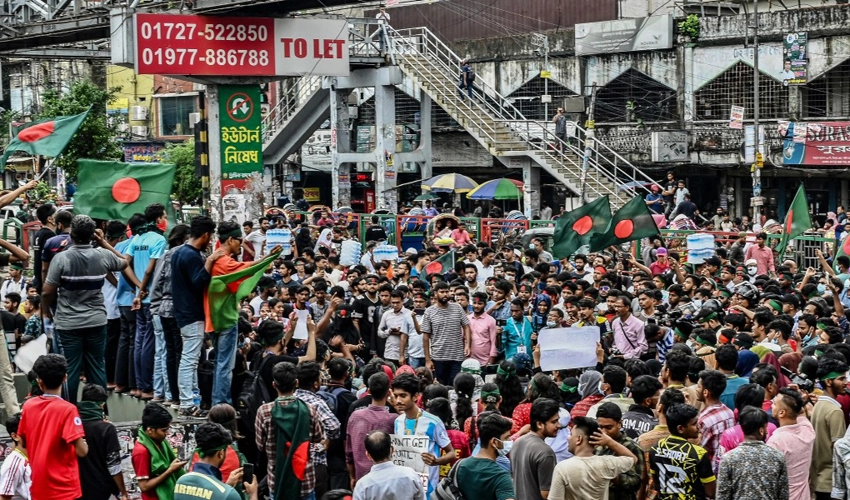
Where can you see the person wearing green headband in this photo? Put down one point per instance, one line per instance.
(224, 319)
(100, 470)
(205, 480)
(827, 419)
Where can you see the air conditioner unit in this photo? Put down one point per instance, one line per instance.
(138, 113)
(139, 131)
(193, 119)
(198, 86)
(123, 127)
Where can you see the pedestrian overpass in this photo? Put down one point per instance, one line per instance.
(416, 58)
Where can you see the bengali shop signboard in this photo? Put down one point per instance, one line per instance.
(241, 140)
(816, 143)
(175, 44)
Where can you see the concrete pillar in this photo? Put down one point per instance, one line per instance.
(340, 143)
(386, 178)
(214, 136)
(687, 87)
(426, 167)
(794, 104)
(531, 192)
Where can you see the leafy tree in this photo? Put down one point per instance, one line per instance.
(187, 185)
(96, 137)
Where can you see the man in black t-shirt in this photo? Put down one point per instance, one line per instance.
(669, 193)
(100, 471)
(44, 214)
(14, 323)
(364, 312)
(376, 231)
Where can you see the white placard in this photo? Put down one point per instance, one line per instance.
(300, 332)
(564, 348)
(29, 352)
(407, 452)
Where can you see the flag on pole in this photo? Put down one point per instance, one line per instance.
(46, 138)
(227, 290)
(575, 229)
(443, 264)
(117, 190)
(632, 222)
(842, 249)
(797, 220)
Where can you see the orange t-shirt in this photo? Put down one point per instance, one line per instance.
(224, 265)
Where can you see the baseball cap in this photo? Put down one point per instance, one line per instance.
(744, 340)
(713, 261)
(661, 251)
(790, 298)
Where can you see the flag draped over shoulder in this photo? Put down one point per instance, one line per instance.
(46, 137)
(576, 228)
(632, 222)
(227, 290)
(797, 220)
(117, 190)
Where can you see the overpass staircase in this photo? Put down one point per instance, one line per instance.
(583, 164)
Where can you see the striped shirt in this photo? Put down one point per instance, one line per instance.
(79, 273)
(16, 476)
(445, 324)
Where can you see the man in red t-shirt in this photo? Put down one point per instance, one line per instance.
(54, 435)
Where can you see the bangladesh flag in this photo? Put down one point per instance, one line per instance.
(46, 138)
(116, 190)
(227, 290)
(444, 264)
(576, 228)
(843, 249)
(797, 220)
(632, 222)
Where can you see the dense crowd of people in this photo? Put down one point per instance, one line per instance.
(724, 379)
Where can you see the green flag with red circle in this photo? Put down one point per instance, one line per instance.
(116, 190)
(46, 137)
(797, 220)
(575, 229)
(843, 249)
(631, 222)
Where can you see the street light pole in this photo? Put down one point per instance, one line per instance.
(546, 80)
(756, 200)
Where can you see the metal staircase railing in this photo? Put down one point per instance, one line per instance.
(290, 102)
(364, 43)
(599, 169)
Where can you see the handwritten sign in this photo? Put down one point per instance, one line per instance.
(407, 452)
(564, 348)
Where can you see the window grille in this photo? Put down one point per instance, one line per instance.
(734, 87)
(634, 97)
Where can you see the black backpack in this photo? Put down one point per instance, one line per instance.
(448, 488)
(253, 395)
(470, 75)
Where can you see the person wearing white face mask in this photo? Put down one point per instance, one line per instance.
(479, 476)
(532, 460)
